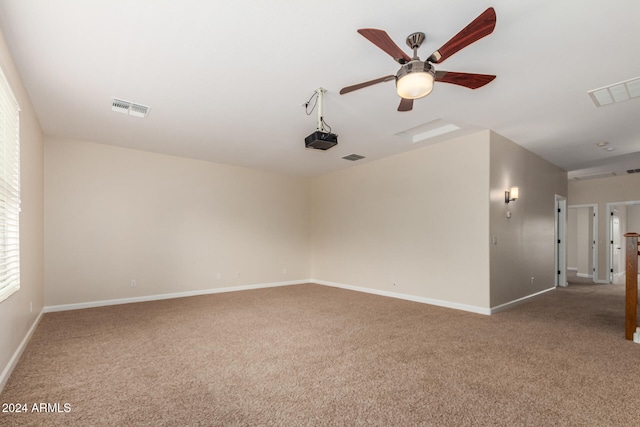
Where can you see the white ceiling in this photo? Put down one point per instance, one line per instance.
(226, 81)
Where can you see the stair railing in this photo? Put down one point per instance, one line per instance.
(631, 291)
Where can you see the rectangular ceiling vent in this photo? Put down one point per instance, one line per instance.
(353, 157)
(594, 176)
(130, 108)
(428, 130)
(616, 92)
(633, 170)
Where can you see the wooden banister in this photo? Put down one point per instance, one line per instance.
(631, 291)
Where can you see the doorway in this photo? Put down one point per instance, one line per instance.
(623, 217)
(616, 246)
(582, 241)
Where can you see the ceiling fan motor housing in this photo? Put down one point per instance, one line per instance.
(416, 66)
(415, 40)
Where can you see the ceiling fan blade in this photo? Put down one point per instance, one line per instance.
(405, 104)
(472, 81)
(365, 84)
(381, 39)
(480, 27)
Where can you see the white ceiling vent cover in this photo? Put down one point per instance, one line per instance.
(428, 130)
(127, 107)
(616, 92)
(594, 176)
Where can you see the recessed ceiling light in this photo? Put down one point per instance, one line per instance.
(602, 143)
(609, 149)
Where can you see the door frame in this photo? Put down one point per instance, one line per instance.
(610, 207)
(560, 241)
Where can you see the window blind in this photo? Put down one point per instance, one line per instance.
(9, 191)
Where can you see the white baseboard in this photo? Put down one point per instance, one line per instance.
(584, 276)
(414, 298)
(572, 268)
(6, 373)
(431, 301)
(103, 303)
(518, 301)
(440, 303)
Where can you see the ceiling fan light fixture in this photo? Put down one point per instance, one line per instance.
(415, 80)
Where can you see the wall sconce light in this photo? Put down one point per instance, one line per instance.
(511, 195)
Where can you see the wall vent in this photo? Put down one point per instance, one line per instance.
(353, 157)
(130, 108)
(633, 170)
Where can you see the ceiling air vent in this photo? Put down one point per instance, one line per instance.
(353, 157)
(130, 108)
(616, 92)
(428, 130)
(594, 176)
(633, 170)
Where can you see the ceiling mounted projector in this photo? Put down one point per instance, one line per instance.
(321, 139)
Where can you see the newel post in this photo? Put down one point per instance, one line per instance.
(631, 292)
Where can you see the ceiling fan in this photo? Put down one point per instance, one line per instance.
(415, 78)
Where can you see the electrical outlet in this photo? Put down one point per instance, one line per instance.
(219, 276)
(31, 307)
(284, 271)
(133, 283)
(532, 280)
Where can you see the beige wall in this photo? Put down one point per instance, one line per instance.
(602, 191)
(172, 224)
(525, 242)
(16, 315)
(413, 224)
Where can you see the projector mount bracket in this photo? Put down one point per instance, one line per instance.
(320, 91)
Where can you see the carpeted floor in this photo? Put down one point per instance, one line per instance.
(311, 355)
